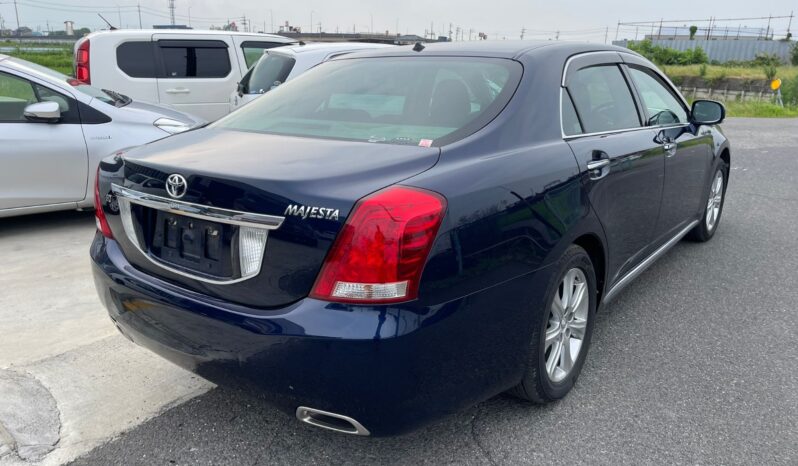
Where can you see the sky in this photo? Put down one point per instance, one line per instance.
(499, 19)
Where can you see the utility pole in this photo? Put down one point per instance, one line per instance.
(523, 31)
(557, 37)
(618, 30)
(138, 5)
(16, 12)
(172, 12)
(659, 33)
(789, 25)
(606, 34)
(767, 31)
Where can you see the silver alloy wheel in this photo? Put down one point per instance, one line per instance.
(567, 325)
(715, 200)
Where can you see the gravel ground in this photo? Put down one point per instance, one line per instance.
(694, 363)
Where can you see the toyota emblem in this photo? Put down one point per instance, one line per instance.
(176, 185)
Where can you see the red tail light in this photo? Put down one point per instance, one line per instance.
(380, 253)
(82, 71)
(99, 213)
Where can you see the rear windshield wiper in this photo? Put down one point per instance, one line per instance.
(120, 100)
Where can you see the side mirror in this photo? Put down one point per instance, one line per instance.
(707, 112)
(240, 89)
(43, 112)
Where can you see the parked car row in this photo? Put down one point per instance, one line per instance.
(402, 232)
(131, 87)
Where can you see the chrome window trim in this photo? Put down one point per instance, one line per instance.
(126, 196)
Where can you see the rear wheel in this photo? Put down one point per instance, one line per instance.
(561, 335)
(705, 230)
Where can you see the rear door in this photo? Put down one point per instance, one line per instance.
(687, 156)
(621, 163)
(42, 163)
(196, 74)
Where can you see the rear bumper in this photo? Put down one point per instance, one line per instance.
(389, 368)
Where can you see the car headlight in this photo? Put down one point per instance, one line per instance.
(171, 126)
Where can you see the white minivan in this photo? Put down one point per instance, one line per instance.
(190, 70)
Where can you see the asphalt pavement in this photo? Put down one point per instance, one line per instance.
(695, 362)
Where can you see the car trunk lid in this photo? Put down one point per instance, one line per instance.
(243, 190)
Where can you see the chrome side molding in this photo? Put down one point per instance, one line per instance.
(330, 421)
(253, 230)
(641, 267)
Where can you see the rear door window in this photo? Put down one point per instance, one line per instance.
(270, 71)
(602, 99)
(194, 59)
(136, 59)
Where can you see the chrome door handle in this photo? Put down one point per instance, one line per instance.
(597, 164)
(178, 90)
(598, 168)
(670, 148)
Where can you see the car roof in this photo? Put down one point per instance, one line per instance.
(149, 32)
(491, 48)
(333, 46)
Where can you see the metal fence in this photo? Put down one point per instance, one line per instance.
(724, 50)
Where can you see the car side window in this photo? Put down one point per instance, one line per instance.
(602, 99)
(662, 107)
(15, 94)
(194, 59)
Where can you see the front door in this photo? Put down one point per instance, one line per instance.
(622, 165)
(196, 75)
(42, 163)
(688, 156)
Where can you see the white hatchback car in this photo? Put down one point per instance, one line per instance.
(281, 64)
(54, 130)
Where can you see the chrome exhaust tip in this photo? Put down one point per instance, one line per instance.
(330, 421)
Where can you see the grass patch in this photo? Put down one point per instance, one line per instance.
(723, 72)
(759, 110)
(59, 60)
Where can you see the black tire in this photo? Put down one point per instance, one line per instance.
(702, 232)
(537, 386)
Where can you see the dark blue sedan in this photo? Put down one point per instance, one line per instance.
(402, 233)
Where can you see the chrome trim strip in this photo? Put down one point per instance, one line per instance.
(641, 267)
(126, 196)
(304, 414)
(216, 214)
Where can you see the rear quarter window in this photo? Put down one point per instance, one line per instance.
(136, 59)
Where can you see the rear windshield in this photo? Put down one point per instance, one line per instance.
(403, 100)
(270, 71)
